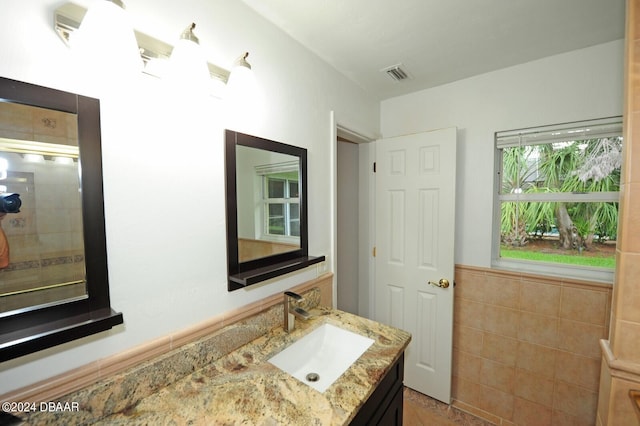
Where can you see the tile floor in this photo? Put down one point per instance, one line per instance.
(420, 410)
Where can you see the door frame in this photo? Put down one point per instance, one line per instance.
(366, 195)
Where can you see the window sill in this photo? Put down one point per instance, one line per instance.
(599, 275)
(36, 338)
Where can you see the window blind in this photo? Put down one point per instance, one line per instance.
(284, 167)
(577, 130)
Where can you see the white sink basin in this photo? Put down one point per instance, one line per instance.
(321, 356)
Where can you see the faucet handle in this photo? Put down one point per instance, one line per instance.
(294, 296)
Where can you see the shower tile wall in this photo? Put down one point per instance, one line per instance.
(526, 348)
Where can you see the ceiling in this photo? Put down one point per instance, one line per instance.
(439, 41)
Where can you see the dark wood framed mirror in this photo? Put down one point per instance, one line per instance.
(54, 288)
(267, 219)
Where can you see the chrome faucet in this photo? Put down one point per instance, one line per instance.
(290, 311)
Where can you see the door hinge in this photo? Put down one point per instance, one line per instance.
(374, 252)
(374, 167)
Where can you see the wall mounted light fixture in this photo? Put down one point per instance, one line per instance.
(23, 147)
(242, 61)
(241, 71)
(154, 53)
(243, 97)
(187, 68)
(113, 56)
(241, 82)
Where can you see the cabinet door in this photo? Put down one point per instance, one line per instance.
(393, 415)
(384, 406)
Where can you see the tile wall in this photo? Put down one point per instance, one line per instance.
(621, 352)
(526, 348)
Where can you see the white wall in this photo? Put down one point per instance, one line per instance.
(579, 85)
(167, 266)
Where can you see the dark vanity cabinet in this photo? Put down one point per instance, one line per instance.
(384, 406)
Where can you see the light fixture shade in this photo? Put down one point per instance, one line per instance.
(243, 98)
(241, 83)
(105, 44)
(188, 68)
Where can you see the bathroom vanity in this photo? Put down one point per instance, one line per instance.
(244, 388)
(223, 374)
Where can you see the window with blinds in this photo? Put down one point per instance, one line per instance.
(557, 195)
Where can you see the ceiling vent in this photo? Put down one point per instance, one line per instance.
(397, 72)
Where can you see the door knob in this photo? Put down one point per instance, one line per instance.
(443, 283)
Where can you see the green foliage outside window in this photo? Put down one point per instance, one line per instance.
(573, 171)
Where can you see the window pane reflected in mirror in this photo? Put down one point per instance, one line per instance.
(294, 218)
(276, 219)
(293, 189)
(276, 188)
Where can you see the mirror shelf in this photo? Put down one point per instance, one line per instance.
(257, 275)
(38, 337)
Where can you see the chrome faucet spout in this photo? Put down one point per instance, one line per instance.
(301, 313)
(294, 296)
(291, 312)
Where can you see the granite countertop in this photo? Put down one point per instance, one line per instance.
(243, 388)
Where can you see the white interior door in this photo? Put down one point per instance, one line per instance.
(415, 214)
